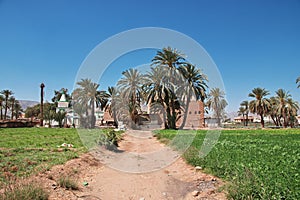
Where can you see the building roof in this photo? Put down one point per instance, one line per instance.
(241, 117)
(63, 97)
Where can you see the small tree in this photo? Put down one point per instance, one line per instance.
(59, 117)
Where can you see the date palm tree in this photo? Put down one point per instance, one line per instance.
(291, 108)
(195, 86)
(85, 95)
(171, 59)
(113, 103)
(242, 111)
(1, 106)
(245, 105)
(298, 82)
(130, 87)
(260, 105)
(157, 90)
(282, 97)
(102, 99)
(17, 109)
(217, 103)
(168, 57)
(273, 111)
(6, 94)
(12, 101)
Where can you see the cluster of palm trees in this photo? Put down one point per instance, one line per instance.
(84, 99)
(281, 108)
(167, 88)
(9, 103)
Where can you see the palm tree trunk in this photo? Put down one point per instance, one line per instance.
(262, 121)
(274, 120)
(93, 118)
(284, 119)
(173, 116)
(1, 113)
(115, 117)
(17, 114)
(247, 119)
(42, 104)
(186, 112)
(6, 107)
(12, 109)
(165, 120)
(168, 117)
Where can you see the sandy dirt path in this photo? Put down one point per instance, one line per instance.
(166, 180)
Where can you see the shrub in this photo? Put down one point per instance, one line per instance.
(68, 183)
(109, 139)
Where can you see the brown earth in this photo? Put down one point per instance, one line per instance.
(170, 180)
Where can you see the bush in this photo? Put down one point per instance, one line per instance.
(68, 183)
(109, 139)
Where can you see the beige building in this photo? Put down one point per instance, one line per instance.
(194, 116)
(241, 119)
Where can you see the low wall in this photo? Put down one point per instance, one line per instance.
(17, 124)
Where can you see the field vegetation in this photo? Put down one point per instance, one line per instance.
(257, 164)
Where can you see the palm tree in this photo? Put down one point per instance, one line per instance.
(298, 82)
(17, 109)
(282, 97)
(157, 90)
(102, 99)
(195, 86)
(273, 111)
(260, 105)
(171, 59)
(291, 108)
(112, 103)
(130, 87)
(216, 102)
(168, 57)
(1, 106)
(6, 94)
(245, 105)
(242, 111)
(12, 100)
(86, 96)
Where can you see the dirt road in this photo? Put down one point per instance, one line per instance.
(142, 169)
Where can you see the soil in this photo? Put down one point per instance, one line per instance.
(109, 178)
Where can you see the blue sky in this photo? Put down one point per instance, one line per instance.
(254, 43)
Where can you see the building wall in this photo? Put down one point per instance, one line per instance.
(195, 115)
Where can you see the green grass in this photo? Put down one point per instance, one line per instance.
(258, 164)
(27, 150)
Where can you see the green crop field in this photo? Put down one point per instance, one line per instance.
(27, 150)
(257, 164)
